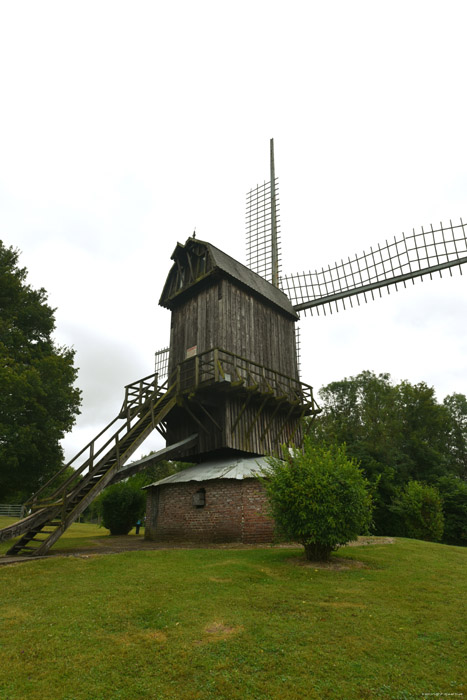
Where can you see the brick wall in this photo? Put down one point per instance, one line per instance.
(257, 526)
(234, 511)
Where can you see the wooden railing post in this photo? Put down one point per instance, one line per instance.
(216, 364)
(91, 455)
(63, 516)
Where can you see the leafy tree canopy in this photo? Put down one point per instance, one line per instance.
(453, 491)
(399, 433)
(38, 402)
(419, 508)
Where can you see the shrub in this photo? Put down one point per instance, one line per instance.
(318, 497)
(420, 511)
(454, 494)
(121, 505)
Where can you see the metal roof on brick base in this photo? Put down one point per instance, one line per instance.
(226, 468)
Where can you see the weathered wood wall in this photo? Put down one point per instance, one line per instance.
(244, 431)
(226, 316)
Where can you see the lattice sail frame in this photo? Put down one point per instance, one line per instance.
(259, 229)
(162, 364)
(404, 259)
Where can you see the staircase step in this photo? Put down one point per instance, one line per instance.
(143, 420)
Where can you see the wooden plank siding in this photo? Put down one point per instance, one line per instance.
(243, 429)
(225, 316)
(231, 309)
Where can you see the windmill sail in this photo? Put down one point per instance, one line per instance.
(263, 227)
(404, 259)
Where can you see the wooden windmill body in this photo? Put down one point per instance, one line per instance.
(233, 355)
(232, 393)
(232, 343)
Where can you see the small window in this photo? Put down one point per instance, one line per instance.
(199, 498)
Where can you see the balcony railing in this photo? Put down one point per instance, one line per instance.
(218, 366)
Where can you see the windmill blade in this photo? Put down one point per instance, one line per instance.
(263, 227)
(162, 364)
(404, 259)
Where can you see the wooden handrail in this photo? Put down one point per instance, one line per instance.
(217, 364)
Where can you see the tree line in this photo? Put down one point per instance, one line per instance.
(411, 448)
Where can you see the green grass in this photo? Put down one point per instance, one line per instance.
(234, 624)
(78, 536)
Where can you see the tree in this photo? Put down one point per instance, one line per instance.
(318, 497)
(425, 427)
(398, 433)
(456, 406)
(122, 505)
(147, 476)
(420, 511)
(453, 492)
(38, 402)
(156, 471)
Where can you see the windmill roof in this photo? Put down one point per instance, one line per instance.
(227, 468)
(221, 262)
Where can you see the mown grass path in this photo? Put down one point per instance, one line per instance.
(234, 624)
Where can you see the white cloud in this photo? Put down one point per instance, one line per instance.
(124, 126)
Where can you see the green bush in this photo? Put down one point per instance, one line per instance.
(420, 512)
(453, 491)
(318, 497)
(121, 505)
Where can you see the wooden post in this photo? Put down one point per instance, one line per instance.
(216, 365)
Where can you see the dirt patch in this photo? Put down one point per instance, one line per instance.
(138, 637)
(217, 631)
(335, 564)
(134, 543)
(137, 543)
(220, 580)
(367, 540)
(339, 563)
(341, 604)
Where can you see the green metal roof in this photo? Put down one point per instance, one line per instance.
(226, 468)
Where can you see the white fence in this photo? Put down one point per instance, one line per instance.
(12, 510)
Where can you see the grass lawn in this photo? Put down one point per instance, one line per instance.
(78, 536)
(220, 623)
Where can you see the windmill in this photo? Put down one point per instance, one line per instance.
(226, 392)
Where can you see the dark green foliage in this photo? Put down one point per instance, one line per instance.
(398, 433)
(420, 512)
(456, 405)
(148, 476)
(38, 402)
(122, 505)
(156, 472)
(453, 492)
(319, 498)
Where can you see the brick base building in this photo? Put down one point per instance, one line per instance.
(215, 501)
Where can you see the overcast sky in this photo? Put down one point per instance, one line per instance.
(125, 125)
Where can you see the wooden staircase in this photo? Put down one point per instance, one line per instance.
(145, 407)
